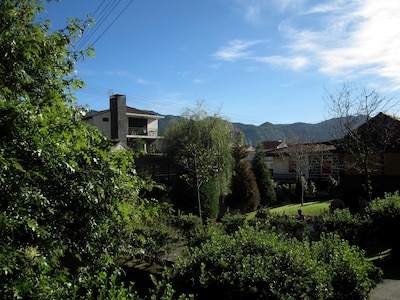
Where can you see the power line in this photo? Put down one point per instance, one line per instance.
(105, 13)
(115, 19)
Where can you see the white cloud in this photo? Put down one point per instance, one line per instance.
(358, 38)
(293, 63)
(341, 39)
(236, 49)
(254, 10)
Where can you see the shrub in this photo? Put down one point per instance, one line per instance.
(384, 214)
(351, 227)
(258, 264)
(285, 192)
(289, 227)
(232, 222)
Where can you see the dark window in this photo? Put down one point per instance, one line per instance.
(105, 119)
(326, 166)
(292, 167)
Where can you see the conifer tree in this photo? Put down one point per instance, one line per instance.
(244, 191)
(263, 178)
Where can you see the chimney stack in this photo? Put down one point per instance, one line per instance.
(118, 117)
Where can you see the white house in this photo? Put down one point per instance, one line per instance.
(126, 124)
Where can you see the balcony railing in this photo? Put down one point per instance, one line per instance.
(142, 131)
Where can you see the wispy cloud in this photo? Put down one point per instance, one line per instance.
(341, 39)
(254, 10)
(359, 38)
(236, 49)
(294, 63)
(243, 50)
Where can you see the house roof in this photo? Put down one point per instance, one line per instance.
(129, 110)
(309, 148)
(381, 131)
(268, 145)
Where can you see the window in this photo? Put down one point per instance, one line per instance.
(326, 167)
(292, 167)
(105, 119)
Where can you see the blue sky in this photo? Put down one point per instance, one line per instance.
(252, 61)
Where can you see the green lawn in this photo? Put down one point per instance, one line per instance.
(309, 208)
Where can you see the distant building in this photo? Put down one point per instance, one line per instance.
(125, 124)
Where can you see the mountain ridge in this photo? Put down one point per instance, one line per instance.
(254, 134)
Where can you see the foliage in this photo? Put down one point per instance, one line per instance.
(244, 195)
(199, 164)
(351, 275)
(232, 222)
(289, 227)
(263, 177)
(62, 192)
(254, 263)
(210, 199)
(351, 227)
(208, 135)
(285, 192)
(384, 214)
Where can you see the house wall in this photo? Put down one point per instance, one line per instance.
(323, 165)
(102, 122)
(152, 126)
(392, 164)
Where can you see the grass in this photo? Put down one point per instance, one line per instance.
(308, 208)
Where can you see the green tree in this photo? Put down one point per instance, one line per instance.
(61, 189)
(244, 191)
(197, 135)
(199, 165)
(263, 177)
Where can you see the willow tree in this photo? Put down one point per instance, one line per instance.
(197, 140)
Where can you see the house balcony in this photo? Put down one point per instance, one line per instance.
(143, 132)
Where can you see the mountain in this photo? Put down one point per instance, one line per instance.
(304, 132)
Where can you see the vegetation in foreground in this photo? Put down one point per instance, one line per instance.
(72, 213)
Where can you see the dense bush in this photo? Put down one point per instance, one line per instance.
(254, 263)
(285, 192)
(351, 227)
(384, 214)
(232, 222)
(289, 227)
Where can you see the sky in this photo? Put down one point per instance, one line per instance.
(249, 61)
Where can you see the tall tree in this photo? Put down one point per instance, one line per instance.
(199, 165)
(60, 187)
(351, 107)
(205, 141)
(263, 177)
(244, 191)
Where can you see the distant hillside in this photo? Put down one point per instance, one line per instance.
(272, 132)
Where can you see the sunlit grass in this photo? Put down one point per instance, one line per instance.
(308, 208)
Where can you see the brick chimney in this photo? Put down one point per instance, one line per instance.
(118, 117)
